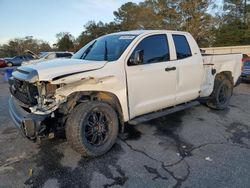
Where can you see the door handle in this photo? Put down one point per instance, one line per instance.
(170, 69)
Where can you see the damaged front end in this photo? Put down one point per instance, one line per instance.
(32, 107)
(40, 107)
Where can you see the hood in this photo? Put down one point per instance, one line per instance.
(49, 70)
(32, 61)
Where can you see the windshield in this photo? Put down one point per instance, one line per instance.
(106, 48)
(43, 54)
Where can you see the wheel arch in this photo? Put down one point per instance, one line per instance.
(78, 97)
(225, 74)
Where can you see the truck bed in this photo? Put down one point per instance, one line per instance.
(225, 62)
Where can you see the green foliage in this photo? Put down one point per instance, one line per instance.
(230, 27)
(233, 33)
(132, 16)
(65, 41)
(234, 27)
(94, 30)
(18, 46)
(185, 15)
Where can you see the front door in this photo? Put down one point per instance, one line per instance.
(152, 83)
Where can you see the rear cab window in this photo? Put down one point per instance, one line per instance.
(181, 46)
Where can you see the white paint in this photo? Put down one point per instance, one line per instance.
(144, 88)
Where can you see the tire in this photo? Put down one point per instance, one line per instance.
(223, 90)
(89, 119)
(9, 64)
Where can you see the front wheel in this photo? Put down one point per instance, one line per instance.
(92, 128)
(223, 90)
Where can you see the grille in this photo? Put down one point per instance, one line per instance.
(24, 92)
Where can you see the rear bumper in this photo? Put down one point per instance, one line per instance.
(28, 123)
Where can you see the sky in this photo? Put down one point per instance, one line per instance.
(43, 19)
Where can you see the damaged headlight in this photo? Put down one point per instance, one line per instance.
(46, 99)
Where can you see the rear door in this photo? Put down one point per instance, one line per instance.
(151, 84)
(189, 69)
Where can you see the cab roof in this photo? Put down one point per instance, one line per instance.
(142, 32)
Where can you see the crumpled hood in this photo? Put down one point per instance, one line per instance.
(49, 70)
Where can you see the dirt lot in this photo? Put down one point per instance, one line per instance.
(198, 147)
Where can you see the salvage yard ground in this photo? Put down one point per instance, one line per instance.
(198, 147)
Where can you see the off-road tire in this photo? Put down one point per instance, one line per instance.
(76, 127)
(221, 85)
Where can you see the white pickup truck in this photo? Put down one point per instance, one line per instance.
(131, 76)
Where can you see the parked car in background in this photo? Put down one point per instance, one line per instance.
(3, 63)
(245, 75)
(17, 60)
(45, 56)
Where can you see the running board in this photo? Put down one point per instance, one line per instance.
(164, 112)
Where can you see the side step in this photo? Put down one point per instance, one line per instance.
(163, 112)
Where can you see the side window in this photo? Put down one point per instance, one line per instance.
(51, 56)
(28, 57)
(154, 49)
(182, 47)
(58, 55)
(68, 55)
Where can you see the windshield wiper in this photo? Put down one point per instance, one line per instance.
(106, 52)
(87, 50)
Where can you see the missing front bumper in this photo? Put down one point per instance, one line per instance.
(28, 123)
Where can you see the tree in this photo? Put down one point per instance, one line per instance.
(132, 16)
(94, 30)
(166, 13)
(187, 15)
(237, 10)
(234, 26)
(196, 20)
(65, 41)
(18, 46)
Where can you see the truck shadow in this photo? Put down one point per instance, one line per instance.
(48, 166)
(168, 129)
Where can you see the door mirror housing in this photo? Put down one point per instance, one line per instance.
(138, 58)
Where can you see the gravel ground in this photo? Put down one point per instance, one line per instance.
(198, 147)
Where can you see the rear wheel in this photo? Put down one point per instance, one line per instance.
(92, 128)
(223, 90)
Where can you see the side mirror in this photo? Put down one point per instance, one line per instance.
(138, 58)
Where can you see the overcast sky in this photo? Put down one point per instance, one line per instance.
(43, 19)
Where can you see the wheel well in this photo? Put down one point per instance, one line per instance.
(225, 74)
(84, 96)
